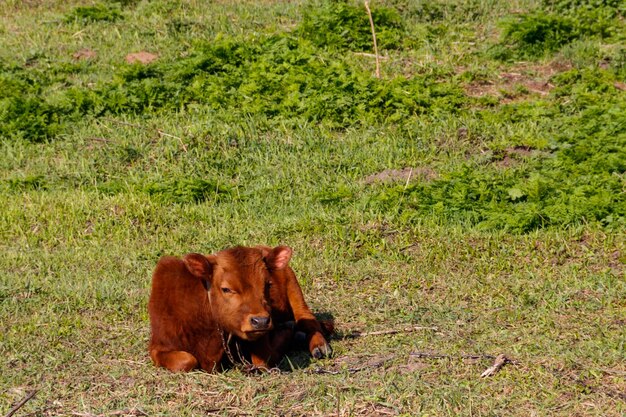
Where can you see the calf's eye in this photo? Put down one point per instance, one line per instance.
(226, 290)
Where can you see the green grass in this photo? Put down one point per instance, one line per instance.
(263, 123)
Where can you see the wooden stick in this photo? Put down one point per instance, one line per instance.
(162, 133)
(356, 369)
(444, 356)
(21, 403)
(391, 331)
(408, 179)
(369, 14)
(612, 371)
(132, 411)
(500, 361)
(159, 131)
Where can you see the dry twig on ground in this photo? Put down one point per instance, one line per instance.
(372, 364)
(369, 15)
(500, 361)
(444, 356)
(21, 403)
(356, 333)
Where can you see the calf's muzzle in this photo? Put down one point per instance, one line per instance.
(260, 322)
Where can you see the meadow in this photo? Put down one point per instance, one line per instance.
(475, 192)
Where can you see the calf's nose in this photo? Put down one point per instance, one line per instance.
(260, 322)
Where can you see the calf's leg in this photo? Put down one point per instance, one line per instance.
(306, 321)
(269, 350)
(175, 360)
(318, 346)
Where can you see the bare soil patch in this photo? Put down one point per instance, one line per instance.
(404, 174)
(514, 155)
(84, 54)
(518, 82)
(142, 57)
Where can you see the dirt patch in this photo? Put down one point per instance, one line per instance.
(514, 155)
(520, 150)
(84, 54)
(507, 162)
(620, 86)
(404, 174)
(509, 87)
(414, 365)
(518, 82)
(142, 57)
(354, 364)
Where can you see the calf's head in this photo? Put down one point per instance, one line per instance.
(238, 281)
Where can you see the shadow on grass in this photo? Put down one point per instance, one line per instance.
(299, 357)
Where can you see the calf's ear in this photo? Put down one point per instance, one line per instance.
(199, 265)
(278, 258)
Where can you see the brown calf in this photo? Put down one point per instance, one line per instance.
(198, 304)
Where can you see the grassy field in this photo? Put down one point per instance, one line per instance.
(476, 189)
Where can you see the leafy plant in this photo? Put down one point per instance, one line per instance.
(558, 23)
(27, 117)
(581, 7)
(534, 35)
(342, 25)
(442, 10)
(188, 190)
(30, 182)
(97, 13)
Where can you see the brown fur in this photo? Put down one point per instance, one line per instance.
(245, 293)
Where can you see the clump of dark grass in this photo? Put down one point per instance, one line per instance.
(598, 17)
(559, 23)
(30, 182)
(96, 13)
(438, 11)
(537, 34)
(187, 190)
(23, 112)
(27, 117)
(344, 25)
(181, 190)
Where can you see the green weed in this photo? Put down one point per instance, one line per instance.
(558, 23)
(345, 26)
(28, 117)
(23, 111)
(535, 35)
(31, 182)
(438, 11)
(189, 190)
(97, 13)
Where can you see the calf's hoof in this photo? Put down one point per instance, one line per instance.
(323, 351)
